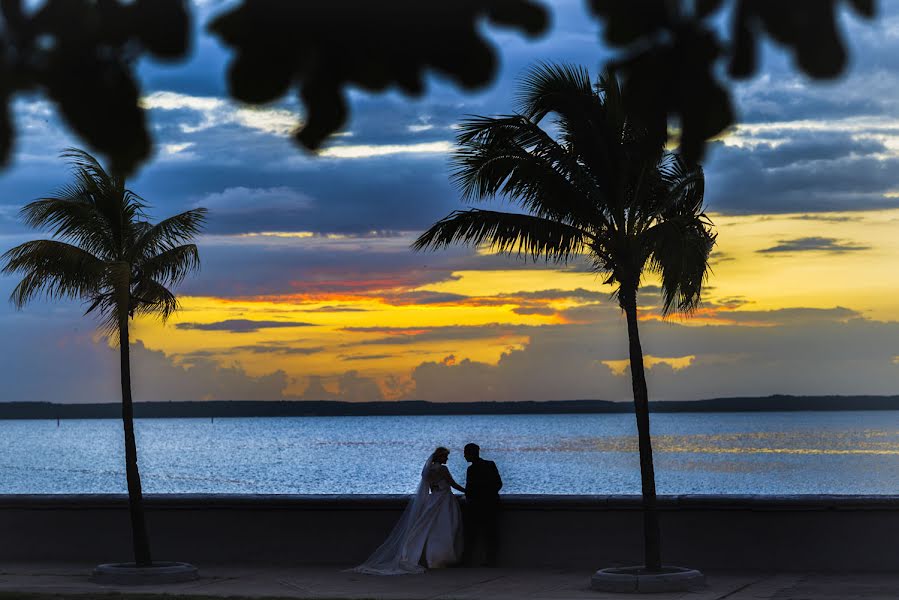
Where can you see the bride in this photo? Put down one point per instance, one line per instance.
(428, 533)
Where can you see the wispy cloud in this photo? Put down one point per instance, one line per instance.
(350, 357)
(244, 200)
(241, 325)
(813, 244)
(374, 151)
(214, 112)
(414, 335)
(279, 349)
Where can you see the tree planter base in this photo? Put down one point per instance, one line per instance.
(131, 574)
(639, 580)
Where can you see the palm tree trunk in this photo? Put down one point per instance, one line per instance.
(652, 551)
(139, 537)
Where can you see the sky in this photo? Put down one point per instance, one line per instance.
(308, 288)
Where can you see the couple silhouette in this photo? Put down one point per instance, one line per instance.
(432, 531)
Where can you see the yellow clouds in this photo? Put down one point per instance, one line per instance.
(620, 367)
(769, 271)
(799, 260)
(380, 333)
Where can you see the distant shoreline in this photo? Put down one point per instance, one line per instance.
(329, 408)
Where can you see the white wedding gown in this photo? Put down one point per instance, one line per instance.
(428, 533)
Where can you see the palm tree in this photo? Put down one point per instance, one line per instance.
(106, 253)
(592, 184)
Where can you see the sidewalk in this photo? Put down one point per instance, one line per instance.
(462, 584)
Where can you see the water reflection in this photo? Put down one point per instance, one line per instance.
(767, 453)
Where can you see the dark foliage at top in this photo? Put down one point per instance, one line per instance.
(669, 54)
(81, 53)
(322, 47)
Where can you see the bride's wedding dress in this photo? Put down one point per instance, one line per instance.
(428, 533)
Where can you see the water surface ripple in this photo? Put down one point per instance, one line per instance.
(696, 453)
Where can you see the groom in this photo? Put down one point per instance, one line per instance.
(482, 486)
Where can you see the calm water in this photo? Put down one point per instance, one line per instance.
(750, 453)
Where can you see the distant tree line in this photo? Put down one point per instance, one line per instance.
(334, 408)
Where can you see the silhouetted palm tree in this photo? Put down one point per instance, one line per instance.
(106, 253)
(592, 184)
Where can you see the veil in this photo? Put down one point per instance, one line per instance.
(390, 557)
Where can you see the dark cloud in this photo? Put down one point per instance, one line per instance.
(329, 196)
(739, 182)
(421, 297)
(798, 148)
(335, 309)
(236, 209)
(241, 325)
(787, 316)
(813, 244)
(365, 356)
(415, 335)
(534, 310)
(557, 294)
(277, 349)
(827, 218)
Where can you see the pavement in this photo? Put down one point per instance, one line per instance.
(445, 584)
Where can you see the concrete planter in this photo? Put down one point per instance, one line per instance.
(131, 574)
(639, 580)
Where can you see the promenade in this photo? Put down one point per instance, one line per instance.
(65, 580)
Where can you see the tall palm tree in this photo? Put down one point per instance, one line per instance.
(106, 253)
(591, 184)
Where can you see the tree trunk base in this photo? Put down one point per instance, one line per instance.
(157, 573)
(641, 580)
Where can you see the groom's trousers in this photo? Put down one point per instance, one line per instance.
(481, 524)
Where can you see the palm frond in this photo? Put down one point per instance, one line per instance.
(53, 269)
(166, 234)
(678, 249)
(513, 157)
(170, 266)
(71, 220)
(82, 161)
(105, 308)
(586, 128)
(551, 87)
(105, 253)
(506, 233)
(151, 298)
(685, 188)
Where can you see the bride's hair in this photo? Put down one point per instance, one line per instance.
(439, 450)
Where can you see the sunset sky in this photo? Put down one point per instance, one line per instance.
(309, 289)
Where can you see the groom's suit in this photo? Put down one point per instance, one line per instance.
(482, 486)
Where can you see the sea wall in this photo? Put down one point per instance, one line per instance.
(709, 532)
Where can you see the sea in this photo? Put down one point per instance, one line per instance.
(773, 453)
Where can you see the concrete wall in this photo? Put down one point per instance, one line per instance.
(709, 532)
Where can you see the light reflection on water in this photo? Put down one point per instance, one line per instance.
(775, 442)
(733, 453)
